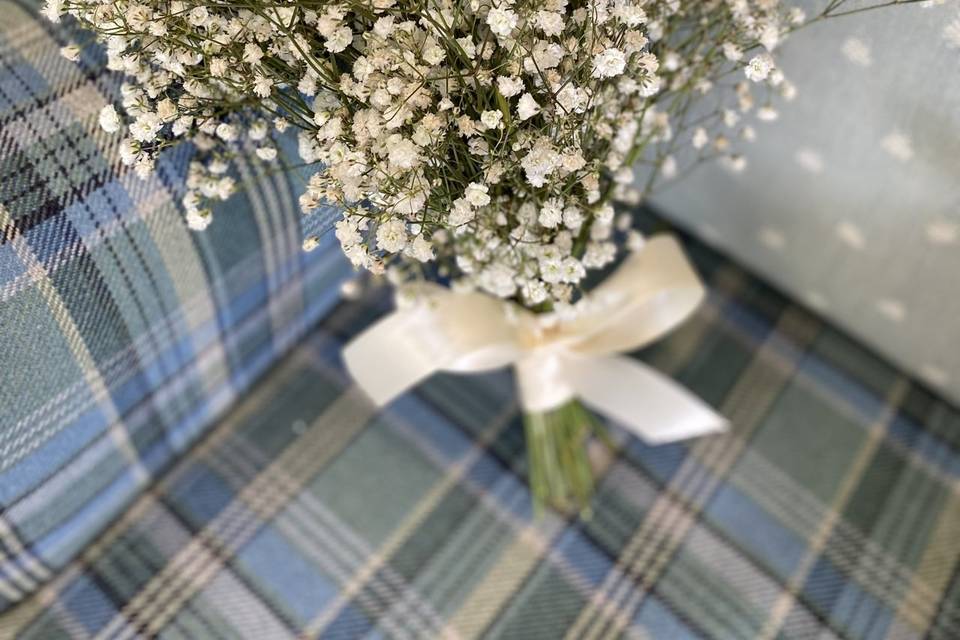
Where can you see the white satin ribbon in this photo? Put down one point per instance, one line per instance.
(557, 357)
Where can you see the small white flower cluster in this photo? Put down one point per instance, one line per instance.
(489, 137)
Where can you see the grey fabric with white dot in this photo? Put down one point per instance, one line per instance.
(850, 201)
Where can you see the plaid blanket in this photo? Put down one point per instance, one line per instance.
(830, 510)
(124, 335)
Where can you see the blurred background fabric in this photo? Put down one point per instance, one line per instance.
(830, 510)
(850, 200)
(124, 334)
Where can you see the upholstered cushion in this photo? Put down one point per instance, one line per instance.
(831, 509)
(123, 334)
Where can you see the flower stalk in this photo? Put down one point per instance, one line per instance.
(559, 468)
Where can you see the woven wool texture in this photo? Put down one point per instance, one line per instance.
(124, 334)
(831, 509)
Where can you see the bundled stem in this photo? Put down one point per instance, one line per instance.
(560, 472)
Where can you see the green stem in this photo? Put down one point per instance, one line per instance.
(559, 469)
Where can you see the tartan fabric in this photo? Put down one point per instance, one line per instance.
(124, 335)
(830, 510)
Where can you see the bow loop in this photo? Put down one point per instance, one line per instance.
(651, 293)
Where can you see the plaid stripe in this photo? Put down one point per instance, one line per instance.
(831, 509)
(125, 335)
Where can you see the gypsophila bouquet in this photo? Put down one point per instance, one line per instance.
(483, 142)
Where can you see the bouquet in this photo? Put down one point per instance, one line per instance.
(482, 144)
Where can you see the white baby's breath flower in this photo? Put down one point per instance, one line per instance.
(572, 270)
(502, 21)
(767, 114)
(263, 86)
(509, 86)
(572, 99)
(735, 163)
(71, 52)
(759, 67)
(770, 36)
(477, 194)
(527, 107)
(252, 53)
(420, 249)
(623, 176)
(434, 54)
(635, 241)
(143, 167)
(392, 235)
(540, 162)
(128, 151)
(225, 187)
(267, 154)
(339, 40)
(52, 10)
(599, 254)
(219, 67)
(167, 110)
(109, 120)
(534, 292)
(198, 16)
(609, 63)
(146, 127)
(491, 119)
(191, 201)
(227, 132)
(787, 90)
(549, 22)
(572, 218)
(498, 279)
(257, 131)
(384, 26)
(468, 47)
(307, 85)
(199, 219)
(732, 51)
(404, 154)
(551, 214)
(700, 138)
(461, 213)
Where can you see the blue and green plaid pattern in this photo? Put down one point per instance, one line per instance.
(124, 335)
(830, 510)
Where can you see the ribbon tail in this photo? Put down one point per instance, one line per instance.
(388, 359)
(643, 400)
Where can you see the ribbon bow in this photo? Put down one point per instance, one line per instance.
(557, 356)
